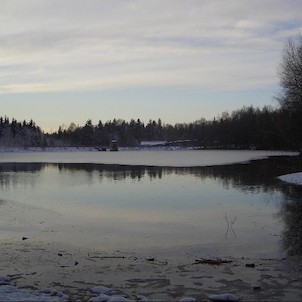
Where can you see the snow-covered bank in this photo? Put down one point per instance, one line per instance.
(163, 158)
(293, 178)
(9, 292)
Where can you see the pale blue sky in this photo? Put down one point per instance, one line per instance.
(64, 61)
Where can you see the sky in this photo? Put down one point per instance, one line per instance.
(64, 61)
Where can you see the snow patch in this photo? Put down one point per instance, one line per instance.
(101, 290)
(101, 298)
(293, 178)
(188, 299)
(106, 294)
(12, 293)
(9, 292)
(153, 143)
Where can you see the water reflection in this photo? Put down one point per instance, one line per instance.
(258, 177)
(12, 174)
(291, 213)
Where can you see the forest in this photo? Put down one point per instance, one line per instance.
(246, 128)
(20, 134)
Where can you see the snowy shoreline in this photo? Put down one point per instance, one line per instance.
(138, 157)
(293, 178)
(85, 275)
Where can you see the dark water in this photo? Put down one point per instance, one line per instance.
(239, 210)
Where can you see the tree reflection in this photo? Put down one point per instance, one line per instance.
(291, 213)
(253, 177)
(12, 174)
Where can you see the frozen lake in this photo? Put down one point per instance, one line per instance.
(177, 158)
(73, 198)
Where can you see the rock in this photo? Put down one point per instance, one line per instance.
(250, 265)
(100, 298)
(141, 298)
(49, 291)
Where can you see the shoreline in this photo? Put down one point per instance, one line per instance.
(122, 149)
(159, 158)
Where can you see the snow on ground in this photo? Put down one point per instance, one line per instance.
(293, 178)
(9, 292)
(153, 143)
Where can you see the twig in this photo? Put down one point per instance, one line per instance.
(230, 223)
(212, 261)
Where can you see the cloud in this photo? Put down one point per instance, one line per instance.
(84, 45)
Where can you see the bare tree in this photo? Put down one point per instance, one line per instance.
(290, 96)
(290, 74)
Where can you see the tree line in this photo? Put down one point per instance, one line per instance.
(249, 127)
(20, 134)
(246, 128)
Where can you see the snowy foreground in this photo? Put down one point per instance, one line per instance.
(9, 292)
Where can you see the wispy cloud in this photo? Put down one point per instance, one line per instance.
(84, 45)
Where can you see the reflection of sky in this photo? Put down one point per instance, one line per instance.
(168, 211)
